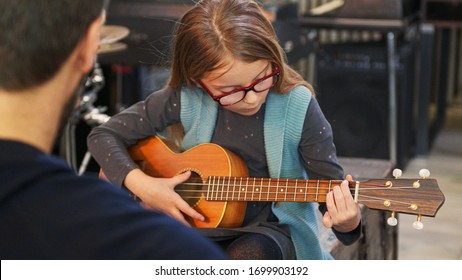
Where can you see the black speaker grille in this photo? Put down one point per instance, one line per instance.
(352, 90)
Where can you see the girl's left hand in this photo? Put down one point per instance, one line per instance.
(343, 212)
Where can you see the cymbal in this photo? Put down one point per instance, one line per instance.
(112, 48)
(112, 33)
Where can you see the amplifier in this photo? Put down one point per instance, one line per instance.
(352, 89)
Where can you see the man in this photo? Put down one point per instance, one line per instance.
(47, 48)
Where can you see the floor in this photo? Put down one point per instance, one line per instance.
(441, 237)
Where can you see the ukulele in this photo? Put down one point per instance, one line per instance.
(219, 186)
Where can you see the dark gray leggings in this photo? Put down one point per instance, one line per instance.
(256, 246)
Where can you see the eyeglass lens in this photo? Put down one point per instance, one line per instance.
(239, 95)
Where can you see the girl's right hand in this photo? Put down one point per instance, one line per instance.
(159, 194)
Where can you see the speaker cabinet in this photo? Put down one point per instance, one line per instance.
(352, 89)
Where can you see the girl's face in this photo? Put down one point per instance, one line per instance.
(236, 75)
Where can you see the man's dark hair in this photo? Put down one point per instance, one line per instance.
(36, 37)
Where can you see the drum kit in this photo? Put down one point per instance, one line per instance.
(110, 37)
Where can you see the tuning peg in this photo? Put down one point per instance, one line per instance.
(418, 224)
(424, 173)
(397, 173)
(392, 221)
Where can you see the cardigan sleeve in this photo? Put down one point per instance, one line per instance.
(319, 158)
(108, 142)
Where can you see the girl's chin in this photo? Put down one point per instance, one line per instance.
(248, 112)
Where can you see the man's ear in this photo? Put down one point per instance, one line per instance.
(89, 44)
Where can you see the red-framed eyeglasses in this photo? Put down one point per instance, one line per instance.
(236, 95)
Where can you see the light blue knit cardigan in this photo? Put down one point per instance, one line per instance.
(284, 118)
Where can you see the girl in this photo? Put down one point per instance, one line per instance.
(230, 85)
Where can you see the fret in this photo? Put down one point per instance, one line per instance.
(300, 190)
(287, 186)
(223, 195)
(306, 189)
(240, 186)
(295, 191)
(209, 185)
(227, 189)
(317, 191)
(253, 188)
(261, 188)
(330, 184)
(234, 189)
(212, 187)
(208, 188)
(277, 190)
(218, 187)
(246, 189)
(217, 191)
(268, 189)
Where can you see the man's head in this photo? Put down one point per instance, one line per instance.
(37, 37)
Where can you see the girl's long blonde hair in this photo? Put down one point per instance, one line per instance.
(214, 31)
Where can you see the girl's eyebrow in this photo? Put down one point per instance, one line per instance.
(254, 79)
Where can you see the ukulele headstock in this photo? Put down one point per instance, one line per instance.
(419, 196)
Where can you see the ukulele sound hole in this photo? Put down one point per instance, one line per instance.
(191, 190)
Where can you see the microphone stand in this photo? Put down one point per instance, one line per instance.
(87, 112)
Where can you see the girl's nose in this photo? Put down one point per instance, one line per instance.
(251, 97)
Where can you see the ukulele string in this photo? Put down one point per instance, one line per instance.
(361, 199)
(207, 186)
(195, 194)
(257, 193)
(373, 198)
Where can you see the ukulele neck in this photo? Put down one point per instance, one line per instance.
(222, 188)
